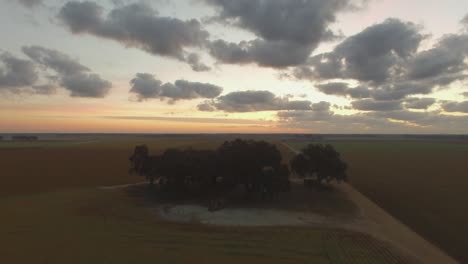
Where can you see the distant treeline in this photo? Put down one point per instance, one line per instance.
(254, 165)
(24, 138)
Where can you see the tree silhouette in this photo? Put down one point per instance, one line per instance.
(320, 162)
(256, 165)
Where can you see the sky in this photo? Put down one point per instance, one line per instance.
(234, 66)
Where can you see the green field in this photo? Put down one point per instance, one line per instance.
(421, 183)
(53, 212)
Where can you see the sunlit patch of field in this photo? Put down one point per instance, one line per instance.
(421, 183)
(95, 226)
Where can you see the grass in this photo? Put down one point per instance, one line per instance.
(52, 212)
(421, 183)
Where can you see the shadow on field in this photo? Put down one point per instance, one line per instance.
(326, 201)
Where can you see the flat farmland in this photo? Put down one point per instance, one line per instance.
(51, 209)
(34, 167)
(423, 184)
(106, 226)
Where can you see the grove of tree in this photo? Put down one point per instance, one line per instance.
(255, 166)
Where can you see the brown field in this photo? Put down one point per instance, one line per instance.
(421, 183)
(38, 167)
(52, 212)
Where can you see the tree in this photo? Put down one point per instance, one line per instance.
(253, 164)
(322, 162)
(243, 161)
(140, 163)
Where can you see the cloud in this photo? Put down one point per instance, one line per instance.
(343, 89)
(54, 59)
(193, 60)
(373, 105)
(419, 103)
(86, 85)
(253, 101)
(399, 121)
(287, 31)
(73, 76)
(45, 89)
(464, 22)
(460, 107)
(446, 58)
(30, 3)
(300, 21)
(370, 56)
(145, 87)
(16, 73)
(384, 61)
(192, 120)
(275, 54)
(465, 94)
(138, 25)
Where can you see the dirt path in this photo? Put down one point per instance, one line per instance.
(382, 225)
(377, 222)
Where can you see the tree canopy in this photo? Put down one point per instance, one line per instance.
(255, 165)
(321, 162)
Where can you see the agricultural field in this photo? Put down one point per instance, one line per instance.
(34, 167)
(95, 226)
(55, 210)
(421, 183)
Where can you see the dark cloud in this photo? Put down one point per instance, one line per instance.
(252, 101)
(446, 58)
(193, 60)
(299, 21)
(287, 30)
(465, 94)
(373, 105)
(383, 59)
(276, 54)
(86, 85)
(16, 73)
(71, 75)
(138, 25)
(145, 87)
(370, 56)
(30, 3)
(460, 107)
(419, 103)
(54, 60)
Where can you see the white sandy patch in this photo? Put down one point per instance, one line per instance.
(238, 217)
